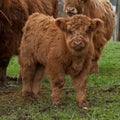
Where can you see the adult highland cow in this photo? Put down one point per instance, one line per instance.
(59, 47)
(95, 9)
(13, 15)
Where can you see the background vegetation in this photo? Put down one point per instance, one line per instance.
(103, 93)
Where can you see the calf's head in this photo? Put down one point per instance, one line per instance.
(78, 30)
(73, 7)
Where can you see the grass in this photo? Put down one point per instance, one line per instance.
(103, 93)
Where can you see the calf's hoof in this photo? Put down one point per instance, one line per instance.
(26, 94)
(57, 102)
(35, 96)
(83, 105)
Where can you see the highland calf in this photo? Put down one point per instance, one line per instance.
(58, 46)
(94, 9)
(13, 15)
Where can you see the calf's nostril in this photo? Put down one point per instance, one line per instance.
(71, 9)
(77, 42)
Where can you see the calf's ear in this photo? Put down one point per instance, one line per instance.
(61, 23)
(97, 24)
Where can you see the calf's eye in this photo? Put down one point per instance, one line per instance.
(71, 32)
(88, 29)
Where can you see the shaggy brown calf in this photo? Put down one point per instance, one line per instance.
(13, 15)
(62, 46)
(95, 9)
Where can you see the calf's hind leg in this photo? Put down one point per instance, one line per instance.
(36, 83)
(27, 73)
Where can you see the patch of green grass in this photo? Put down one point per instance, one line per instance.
(103, 94)
(14, 68)
(109, 65)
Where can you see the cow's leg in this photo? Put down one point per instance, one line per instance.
(95, 65)
(57, 84)
(79, 87)
(27, 73)
(79, 83)
(99, 43)
(57, 80)
(96, 56)
(3, 67)
(36, 83)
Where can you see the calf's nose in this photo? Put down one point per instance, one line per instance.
(78, 42)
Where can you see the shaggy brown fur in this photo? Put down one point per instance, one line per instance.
(95, 9)
(13, 14)
(62, 46)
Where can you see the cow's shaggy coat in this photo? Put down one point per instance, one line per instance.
(95, 9)
(62, 46)
(13, 15)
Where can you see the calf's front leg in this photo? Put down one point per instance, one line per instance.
(36, 83)
(57, 80)
(57, 84)
(79, 83)
(79, 87)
